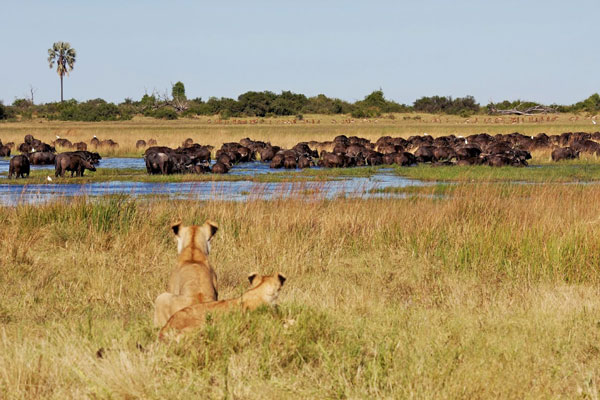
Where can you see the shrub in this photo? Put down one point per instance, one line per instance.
(178, 91)
(91, 110)
(446, 105)
(165, 113)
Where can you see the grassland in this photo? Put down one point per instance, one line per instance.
(283, 131)
(487, 293)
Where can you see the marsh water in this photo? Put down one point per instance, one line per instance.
(211, 190)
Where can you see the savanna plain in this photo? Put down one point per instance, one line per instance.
(485, 288)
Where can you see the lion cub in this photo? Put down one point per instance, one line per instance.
(194, 280)
(264, 290)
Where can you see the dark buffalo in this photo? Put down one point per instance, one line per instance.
(19, 167)
(158, 163)
(331, 160)
(304, 162)
(181, 163)
(43, 147)
(405, 159)
(66, 143)
(92, 157)
(82, 146)
(289, 162)
(564, 153)
(220, 168)
(425, 154)
(25, 148)
(71, 162)
(277, 161)
(267, 153)
(42, 158)
(444, 153)
(158, 149)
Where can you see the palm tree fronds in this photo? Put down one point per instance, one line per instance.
(64, 55)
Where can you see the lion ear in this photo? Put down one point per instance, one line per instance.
(210, 228)
(176, 228)
(252, 277)
(282, 278)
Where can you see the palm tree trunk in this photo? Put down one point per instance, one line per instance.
(61, 88)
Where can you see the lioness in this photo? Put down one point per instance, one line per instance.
(194, 280)
(265, 290)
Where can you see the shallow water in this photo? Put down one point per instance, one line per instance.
(252, 168)
(223, 190)
(129, 163)
(220, 190)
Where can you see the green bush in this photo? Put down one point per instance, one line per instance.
(165, 113)
(92, 111)
(366, 112)
(178, 91)
(446, 105)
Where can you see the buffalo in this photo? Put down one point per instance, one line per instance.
(73, 163)
(19, 167)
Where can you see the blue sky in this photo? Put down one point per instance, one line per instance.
(546, 51)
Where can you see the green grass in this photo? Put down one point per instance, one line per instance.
(559, 172)
(136, 175)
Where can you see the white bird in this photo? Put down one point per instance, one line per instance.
(593, 122)
(48, 178)
(58, 137)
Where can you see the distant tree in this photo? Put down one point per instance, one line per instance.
(2, 111)
(591, 104)
(447, 105)
(256, 104)
(64, 55)
(375, 104)
(178, 91)
(179, 101)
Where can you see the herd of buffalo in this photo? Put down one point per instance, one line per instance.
(479, 149)
(35, 152)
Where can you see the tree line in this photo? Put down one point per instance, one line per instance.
(263, 104)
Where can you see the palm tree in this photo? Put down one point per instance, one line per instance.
(64, 55)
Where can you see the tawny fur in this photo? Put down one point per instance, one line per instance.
(265, 290)
(193, 280)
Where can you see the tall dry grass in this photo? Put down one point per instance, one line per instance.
(282, 131)
(489, 293)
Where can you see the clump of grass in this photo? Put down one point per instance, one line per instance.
(439, 189)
